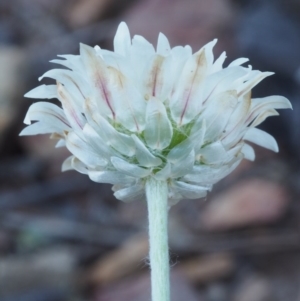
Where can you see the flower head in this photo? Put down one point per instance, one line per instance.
(136, 112)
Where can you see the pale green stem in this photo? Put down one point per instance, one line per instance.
(157, 199)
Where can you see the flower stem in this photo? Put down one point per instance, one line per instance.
(157, 199)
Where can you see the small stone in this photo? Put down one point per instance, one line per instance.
(248, 203)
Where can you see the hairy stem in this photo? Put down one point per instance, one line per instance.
(157, 199)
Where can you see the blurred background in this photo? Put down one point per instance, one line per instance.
(63, 237)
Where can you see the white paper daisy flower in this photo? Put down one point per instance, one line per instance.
(139, 112)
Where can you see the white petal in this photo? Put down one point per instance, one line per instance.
(72, 163)
(259, 105)
(130, 105)
(263, 116)
(214, 153)
(165, 82)
(43, 91)
(83, 151)
(261, 138)
(122, 40)
(183, 167)
(208, 48)
(158, 130)
(185, 104)
(50, 119)
(157, 80)
(220, 81)
(65, 63)
(217, 114)
(39, 128)
(47, 113)
(139, 43)
(121, 142)
(190, 191)
(129, 169)
(73, 82)
(248, 85)
(96, 141)
(239, 114)
(141, 51)
(181, 150)
(60, 143)
(67, 164)
(119, 63)
(179, 56)
(131, 193)
(70, 61)
(173, 196)
(207, 175)
(248, 152)
(218, 64)
(111, 177)
(163, 45)
(236, 126)
(97, 74)
(164, 173)
(238, 62)
(143, 155)
(89, 110)
(198, 134)
(234, 152)
(271, 102)
(75, 118)
(203, 174)
(79, 166)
